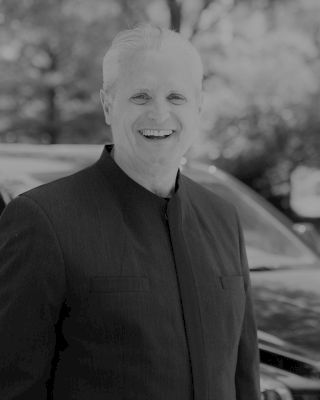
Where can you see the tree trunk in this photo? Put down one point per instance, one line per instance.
(52, 123)
(52, 114)
(175, 9)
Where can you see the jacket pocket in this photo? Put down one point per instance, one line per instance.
(232, 282)
(111, 284)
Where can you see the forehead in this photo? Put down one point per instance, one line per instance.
(170, 66)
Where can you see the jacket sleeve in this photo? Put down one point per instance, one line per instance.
(32, 287)
(247, 378)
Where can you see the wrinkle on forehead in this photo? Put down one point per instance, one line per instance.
(146, 80)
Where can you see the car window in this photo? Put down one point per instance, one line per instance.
(269, 242)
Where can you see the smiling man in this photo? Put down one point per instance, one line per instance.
(152, 104)
(137, 272)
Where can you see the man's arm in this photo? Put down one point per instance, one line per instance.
(247, 372)
(32, 287)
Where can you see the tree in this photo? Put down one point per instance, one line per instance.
(51, 54)
(262, 86)
(262, 71)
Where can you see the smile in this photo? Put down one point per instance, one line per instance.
(156, 133)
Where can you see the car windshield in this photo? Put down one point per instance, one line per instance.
(269, 243)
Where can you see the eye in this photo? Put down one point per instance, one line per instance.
(176, 98)
(140, 98)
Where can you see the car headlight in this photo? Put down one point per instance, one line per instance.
(271, 389)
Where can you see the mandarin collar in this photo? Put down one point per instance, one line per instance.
(128, 188)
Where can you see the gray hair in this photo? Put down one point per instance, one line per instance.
(144, 37)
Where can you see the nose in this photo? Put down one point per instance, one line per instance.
(159, 111)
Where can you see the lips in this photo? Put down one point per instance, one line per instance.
(156, 133)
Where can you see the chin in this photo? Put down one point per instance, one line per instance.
(163, 159)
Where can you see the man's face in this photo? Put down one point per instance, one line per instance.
(155, 108)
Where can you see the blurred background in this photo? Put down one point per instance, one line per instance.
(261, 118)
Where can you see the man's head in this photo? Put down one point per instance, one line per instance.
(152, 93)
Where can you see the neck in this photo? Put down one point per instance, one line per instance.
(158, 179)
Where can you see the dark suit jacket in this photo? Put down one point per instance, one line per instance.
(155, 294)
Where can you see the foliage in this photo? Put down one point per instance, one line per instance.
(262, 76)
(262, 87)
(51, 54)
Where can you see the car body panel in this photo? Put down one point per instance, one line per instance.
(287, 304)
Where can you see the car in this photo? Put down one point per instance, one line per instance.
(284, 267)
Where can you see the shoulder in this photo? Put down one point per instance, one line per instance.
(207, 200)
(36, 209)
(77, 198)
(62, 186)
(67, 192)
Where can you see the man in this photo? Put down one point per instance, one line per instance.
(150, 267)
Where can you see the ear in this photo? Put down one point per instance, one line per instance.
(106, 105)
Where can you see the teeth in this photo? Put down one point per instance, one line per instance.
(156, 132)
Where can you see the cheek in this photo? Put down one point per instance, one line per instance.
(126, 120)
(192, 126)
(191, 118)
